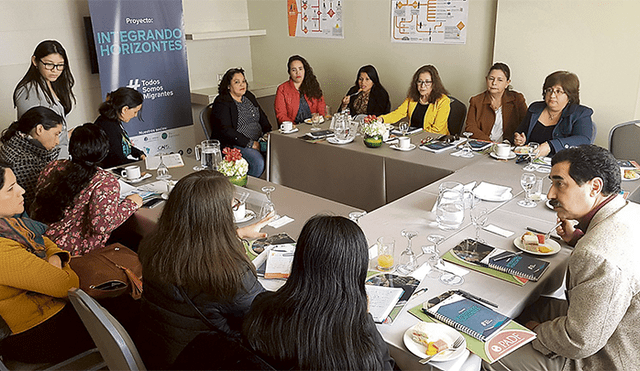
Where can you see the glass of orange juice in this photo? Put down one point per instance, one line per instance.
(386, 248)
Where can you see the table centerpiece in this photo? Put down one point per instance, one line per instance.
(234, 167)
(373, 131)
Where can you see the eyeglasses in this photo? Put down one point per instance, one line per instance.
(549, 91)
(52, 66)
(492, 79)
(424, 82)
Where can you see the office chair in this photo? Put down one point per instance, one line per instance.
(457, 114)
(205, 120)
(623, 141)
(112, 340)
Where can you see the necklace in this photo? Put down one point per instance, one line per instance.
(551, 117)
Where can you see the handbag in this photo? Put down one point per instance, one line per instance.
(109, 272)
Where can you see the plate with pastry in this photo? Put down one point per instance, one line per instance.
(309, 121)
(426, 338)
(631, 174)
(536, 244)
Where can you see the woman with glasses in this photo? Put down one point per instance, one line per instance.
(367, 96)
(559, 121)
(495, 113)
(119, 108)
(48, 82)
(427, 104)
(300, 97)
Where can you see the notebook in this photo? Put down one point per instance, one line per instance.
(406, 283)
(382, 300)
(466, 315)
(436, 147)
(479, 145)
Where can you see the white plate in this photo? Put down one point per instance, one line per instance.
(553, 245)
(411, 147)
(308, 121)
(631, 171)
(137, 180)
(294, 130)
(249, 214)
(488, 193)
(435, 331)
(334, 140)
(512, 155)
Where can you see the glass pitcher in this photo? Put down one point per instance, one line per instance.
(450, 206)
(208, 152)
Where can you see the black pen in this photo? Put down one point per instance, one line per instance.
(476, 298)
(418, 292)
(508, 256)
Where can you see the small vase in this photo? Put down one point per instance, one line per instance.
(373, 141)
(240, 181)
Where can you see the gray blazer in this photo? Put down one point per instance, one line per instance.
(601, 329)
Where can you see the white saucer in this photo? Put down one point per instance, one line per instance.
(294, 130)
(411, 147)
(308, 121)
(249, 214)
(435, 331)
(512, 155)
(137, 180)
(334, 140)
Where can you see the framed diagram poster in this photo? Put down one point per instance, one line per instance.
(315, 18)
(429, 21)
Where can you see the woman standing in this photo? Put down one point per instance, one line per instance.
(367, 96)
(238, 121)
(427, 104)
(300, 97)
(559, 121)
(495, 113)
(120, 107)
(196, 271)
(318, 320)
(34, 281)
(29, 144)
(48, 82)
(79, 201)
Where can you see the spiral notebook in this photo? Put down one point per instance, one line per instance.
(519, 265)
(466, 315)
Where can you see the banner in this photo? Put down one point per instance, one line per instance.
(141, 44)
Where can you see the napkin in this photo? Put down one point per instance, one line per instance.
(283, 220)
(492, 192)
(497, 230)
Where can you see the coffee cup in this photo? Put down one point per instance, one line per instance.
(131, 172)
(404, 142)
(286, 126)
(502, 150)
(239, 211)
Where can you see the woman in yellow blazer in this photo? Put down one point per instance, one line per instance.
(427, 104)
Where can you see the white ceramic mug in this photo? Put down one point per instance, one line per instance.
(503, 150)
(404, 142)
(286, 126)
(131, 172)
(239, 211)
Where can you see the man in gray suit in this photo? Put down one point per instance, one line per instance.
(597, 326)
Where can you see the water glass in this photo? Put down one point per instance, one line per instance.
(527, 181)
(386, 249)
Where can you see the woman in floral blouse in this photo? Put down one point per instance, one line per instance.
(80, 201)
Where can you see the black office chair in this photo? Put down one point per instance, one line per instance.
(457, 114)
(205, 120)
(623, 141)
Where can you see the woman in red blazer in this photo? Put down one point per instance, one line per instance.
(300, 97)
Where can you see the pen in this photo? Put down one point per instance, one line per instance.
(476, 298)
(508, 256)
(418, 292)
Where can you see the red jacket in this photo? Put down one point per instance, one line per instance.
(288, 102)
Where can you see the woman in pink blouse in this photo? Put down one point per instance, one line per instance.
(80, 201)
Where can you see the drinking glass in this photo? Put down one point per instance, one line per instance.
(408, 262)
(435, 262)
(404, 128)
(385, 254)
(162, 171)
(356, 215)
(533, 147)
(527, 180)
(479, 217)
(268, 206)
(340, 127)
(467, 151)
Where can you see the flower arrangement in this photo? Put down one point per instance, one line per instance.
(374, 128)
(233, 165)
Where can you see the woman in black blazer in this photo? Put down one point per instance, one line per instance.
(367, 96)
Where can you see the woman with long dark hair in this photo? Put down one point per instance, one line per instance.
(300, 97)
(367, 96)
(29, 144)
(238, 120)
(197, 276)
(49, 83)
(427, 104)
(496, 113)
(79, 201)
(35, 277)
(118, 109)
(318, 320)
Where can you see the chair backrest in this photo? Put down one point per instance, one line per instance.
(594, 132)
(457, 114)
(205, 120)
(113, 341)
(623, 141)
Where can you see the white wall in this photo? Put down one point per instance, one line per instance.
(597, 40)
(367, 41)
